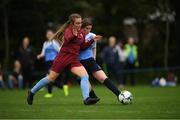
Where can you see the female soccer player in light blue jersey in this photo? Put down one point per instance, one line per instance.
(49, 51)
(87, 59)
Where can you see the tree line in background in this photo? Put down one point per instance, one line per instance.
(157, 36)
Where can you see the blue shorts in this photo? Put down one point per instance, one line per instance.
(90, 65)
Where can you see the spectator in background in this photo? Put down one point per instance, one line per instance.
(132, 59)
(122, 62)
(15, 79)
(171, 79)
(27, 57)
(111, 59)
(1, 78)
(49, 51)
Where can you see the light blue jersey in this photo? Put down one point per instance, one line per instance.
(50, 50)
(88, 53)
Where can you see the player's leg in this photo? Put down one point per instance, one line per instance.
(101, 77)
(65, 82)
(49, 90)
(80, 71)
(89, 66)
(50, 85)
(44, 81)
(93, 68)
(92, 94)
(99, 74)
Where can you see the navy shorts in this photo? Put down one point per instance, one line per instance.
(90, 65)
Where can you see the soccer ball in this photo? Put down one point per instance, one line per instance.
(125, 97)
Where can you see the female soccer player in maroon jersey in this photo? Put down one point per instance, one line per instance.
(72, 40)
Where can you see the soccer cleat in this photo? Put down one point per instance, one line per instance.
(66, 90)
(48, 95)
(30, 98)
(91, 101)
(97, 99)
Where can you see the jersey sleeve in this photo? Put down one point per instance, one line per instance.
(85, 44)
(94, 43)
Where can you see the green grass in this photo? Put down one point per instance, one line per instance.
(148, 103)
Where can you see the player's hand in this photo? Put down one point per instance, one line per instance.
(38, 56)
(75, 32)
(97, 38)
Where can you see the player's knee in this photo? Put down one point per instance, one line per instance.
(100, 77)
(51, 78)
(85, 77)
(101, 80)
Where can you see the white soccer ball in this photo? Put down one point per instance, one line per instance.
(125, 97)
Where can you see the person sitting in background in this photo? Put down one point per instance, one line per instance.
(49, 51)
(163, 82)
(1, 79)
(15, 79)
(171, 79)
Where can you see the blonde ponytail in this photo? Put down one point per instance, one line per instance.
(59, 35)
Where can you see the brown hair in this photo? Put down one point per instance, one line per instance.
(86, 22)
(59, 35)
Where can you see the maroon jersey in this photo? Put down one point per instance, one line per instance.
(72, 44)
(68, 57)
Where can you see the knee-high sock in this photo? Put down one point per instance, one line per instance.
(92, 94)
(49, 87)
(108, 83)
(44, 81)
(85, 86)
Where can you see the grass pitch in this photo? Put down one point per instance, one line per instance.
(148, 102)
